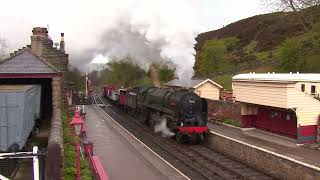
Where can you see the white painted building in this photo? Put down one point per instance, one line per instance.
(286, 104)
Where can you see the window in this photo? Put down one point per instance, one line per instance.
(288, 116)
(303, 87)
(313, 89)
(274, 114)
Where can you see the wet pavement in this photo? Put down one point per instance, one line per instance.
(123, 156)
(271, 142)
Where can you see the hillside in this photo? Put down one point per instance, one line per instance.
(272, 42)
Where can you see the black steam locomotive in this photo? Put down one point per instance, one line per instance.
(184, 111)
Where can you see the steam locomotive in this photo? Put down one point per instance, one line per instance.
(185, 113)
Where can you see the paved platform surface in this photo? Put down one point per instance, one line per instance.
(275, 143)
(123, 156)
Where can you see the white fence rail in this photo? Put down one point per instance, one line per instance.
(22, 155)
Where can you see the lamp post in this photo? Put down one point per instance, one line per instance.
(77, 122)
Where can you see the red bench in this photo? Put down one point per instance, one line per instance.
(98, 168)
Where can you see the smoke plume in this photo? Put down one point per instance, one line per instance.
(155, 31)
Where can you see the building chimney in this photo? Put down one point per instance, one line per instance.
(39, 34)
(62, 42)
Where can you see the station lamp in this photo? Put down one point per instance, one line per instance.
(77, 122)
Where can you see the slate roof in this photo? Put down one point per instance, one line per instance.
(25, 62)
(191, 83)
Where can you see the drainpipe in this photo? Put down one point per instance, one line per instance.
(298, 125)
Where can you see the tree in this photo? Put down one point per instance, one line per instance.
(124, 73)
(76, 76)
(3, 48)
(291, 55)
(212, 57)
(293, 5)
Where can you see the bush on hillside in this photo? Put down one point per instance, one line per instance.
(212, 56)
(290, 55)
(231, 43)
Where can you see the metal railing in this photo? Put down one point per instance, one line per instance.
(35, 154)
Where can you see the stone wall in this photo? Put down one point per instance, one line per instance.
(271, 163)
(57, 92)
(54, 167)
(227, 109)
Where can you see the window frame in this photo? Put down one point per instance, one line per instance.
(313, 87)
(303, 87)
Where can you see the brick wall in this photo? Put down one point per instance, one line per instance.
(227, 109)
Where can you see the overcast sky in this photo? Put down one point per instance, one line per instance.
(84, 22)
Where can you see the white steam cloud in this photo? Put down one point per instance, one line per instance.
(154, 31)
(161, 127)
(157, 30)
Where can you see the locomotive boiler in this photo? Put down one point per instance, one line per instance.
(185, 112)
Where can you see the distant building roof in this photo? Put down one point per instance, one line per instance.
(25, 62)
(297, 77)
(191, 83)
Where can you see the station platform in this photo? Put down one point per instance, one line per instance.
(275, 143)
(123, 156)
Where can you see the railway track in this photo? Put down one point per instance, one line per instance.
(195, 161)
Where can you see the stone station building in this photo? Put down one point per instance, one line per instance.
(42, 63)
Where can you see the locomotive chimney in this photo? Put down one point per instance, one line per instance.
(62, 42)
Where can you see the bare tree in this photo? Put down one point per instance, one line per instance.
(3, 48)
(293, 5)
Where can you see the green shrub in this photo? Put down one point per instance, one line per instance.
(232, 122)
(290, 55)
(83, 163)
(262, 56)
(165, 74)
(70, 171)
(251, 47)
(86, 178)
(70, 154)
(69, 177)
(68, 147)
(231, 43)
(86, 172)
(224, 80)
(69, 162)
(313, 63)
(212, 56)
